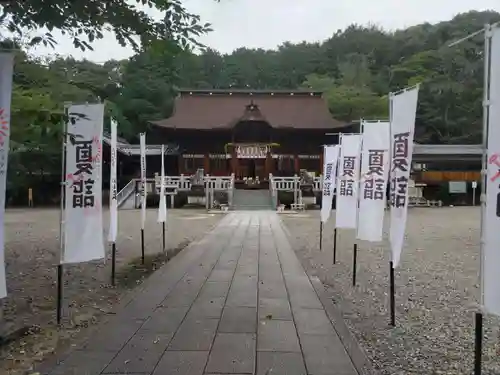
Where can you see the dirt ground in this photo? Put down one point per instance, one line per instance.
(32, 253)
(437, 291)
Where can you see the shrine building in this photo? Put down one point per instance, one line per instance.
(250, 133)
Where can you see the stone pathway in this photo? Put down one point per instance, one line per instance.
(236, 302)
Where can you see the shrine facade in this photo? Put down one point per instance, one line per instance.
(246, 132)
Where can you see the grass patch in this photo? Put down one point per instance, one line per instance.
(135, 272)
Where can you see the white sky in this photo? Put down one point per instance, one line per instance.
(269, 23)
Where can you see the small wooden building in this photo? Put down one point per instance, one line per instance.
(247, 132)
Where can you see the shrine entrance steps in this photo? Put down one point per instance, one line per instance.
(249, 200)
(237, 301)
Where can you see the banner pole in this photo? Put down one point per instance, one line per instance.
(355, 245)
(478, 343)
(335, 246)
(320, 235)
(354, 263)
(163, 238)
(142, 246)
(61, 216)
(59, 292)
(321, 205)
(392, 288)
(113, 263)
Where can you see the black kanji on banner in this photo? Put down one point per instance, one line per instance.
(400, 152)
(83, 184)
(327, 180)
(400, 163)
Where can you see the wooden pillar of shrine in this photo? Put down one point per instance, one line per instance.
(234, 162)
(206, 163)
(180, 165)
(296, 164)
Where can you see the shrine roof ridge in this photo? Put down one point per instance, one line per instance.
(223, 109)
(249, 92)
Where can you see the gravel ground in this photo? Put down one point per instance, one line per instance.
(32, 252)
(437, 291)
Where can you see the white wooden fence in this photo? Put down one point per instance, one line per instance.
(212, 184)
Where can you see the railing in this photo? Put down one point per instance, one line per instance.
(219, 182)
(124, 193)
(318, 183)
(181, 182)
(277, 184)
(284, 183)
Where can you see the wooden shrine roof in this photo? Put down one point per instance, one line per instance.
(222, 109)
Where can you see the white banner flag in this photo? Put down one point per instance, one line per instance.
(113, 187)
(491, 224)
(6, 71)
(142, 137)
(374, 175)
(83, 238)
(162, 209)
(331, 158)
(348, 181)
(404, 108)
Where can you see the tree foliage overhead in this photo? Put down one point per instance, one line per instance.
(85, 21)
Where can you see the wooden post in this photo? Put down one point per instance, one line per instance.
(297, 164)
(321, 162)
(234, 162)
(206, 163)
(181, 164)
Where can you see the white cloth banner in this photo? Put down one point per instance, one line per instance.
(331, 158)
(83, 237)
(162, 209)
(491, 224)
(6, 71)
(113, 187)
(142, 137)
(373, 184)
(348, 181)
(404, 108)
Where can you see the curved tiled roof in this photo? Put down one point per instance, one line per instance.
(219, 109)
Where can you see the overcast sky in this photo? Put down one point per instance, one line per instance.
(268, 23)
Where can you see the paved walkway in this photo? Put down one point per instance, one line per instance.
(236, 302)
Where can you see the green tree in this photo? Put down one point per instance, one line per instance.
(147, 90)
(85, 21)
